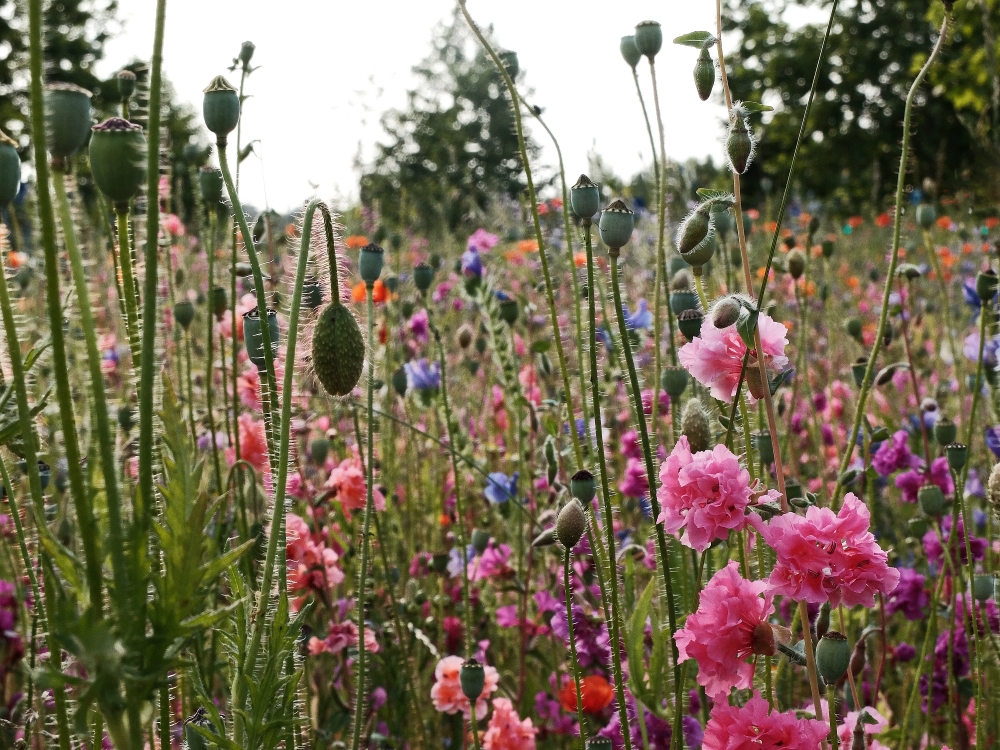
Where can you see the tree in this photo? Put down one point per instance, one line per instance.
(850, 155)
(453, 148)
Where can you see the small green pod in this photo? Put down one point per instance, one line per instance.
(118, 159)
(648, 38)
(67, 118)
(221, 107)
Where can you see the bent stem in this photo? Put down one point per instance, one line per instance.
(542, 254)
(893, 259)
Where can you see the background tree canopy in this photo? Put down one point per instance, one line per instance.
(875, 48)
(453, 148)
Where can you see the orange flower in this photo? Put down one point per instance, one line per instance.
(514, 257)
(855, 221)
(854, 282)
(991, 222)
(379, 292)
(967, 248)
(944, 222)
(597, 694)
(579, 259)
(356, 240)
(883, 220)
(528, 246)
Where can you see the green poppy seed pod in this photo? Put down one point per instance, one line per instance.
(184, 313)
(986, 284)
(648, 38)
(599, 743)
(616, 225)
(253, 335)
(694, 229)
(126, 419)
(827, 248)
(765, 448)
(67, 118)
(312, 294)
(630, 53)
(509, 311)
(338, 349)
(793, 489)
(983, 587)
(945, 431)
(694, 425)
(210, 184)
(926, 215)
(704, 74)
(218, 302)
(833, 656)
(480, 540)
(853, 328)
(726, 312)
(10, 170)
(370, 263)
(510, 63)
(796, 264)
(318, 451)
(684, 300)
(674, 380)
(126, 84)
(472, 677)
(958, 454)
(739, 144)
(221, 108)
(858, 370)
(246, 52)
(690, 322)
(392, 283)
(583, 486)
(931, 499)
(571, 523)
(399, 382)
(118, 159)
(585, 198)
(423, 277)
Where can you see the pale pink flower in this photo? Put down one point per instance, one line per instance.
(342, 635)
(447, 690)
(828, 557)
(715, 358)
(311, 566)
(730, 625)
(752, 726)
(506, 731)
(174, 225)
(705, 494)
(348, 481)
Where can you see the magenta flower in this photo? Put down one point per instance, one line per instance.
(911, 481)
(894, 455)
(418, 325)
(715, 358)
(705, 494)
(481, 241)
(730, 625)
(909, 597)
(734, 728)
(827, 557)
(634, 483)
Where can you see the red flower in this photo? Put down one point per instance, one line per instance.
(883, 220)
(597, 694)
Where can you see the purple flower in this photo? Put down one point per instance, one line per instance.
(634, 483)
(418, 325)
(641, 318)
(909, 596)
(421, 376)
(911, 481)
(894, 455)
(971, 349)
(472, 264)
(501, 487)
(993, 440)
(934, 549)
(593, 645)
(904, 652)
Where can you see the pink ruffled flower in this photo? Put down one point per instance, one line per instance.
(347, 480)
(634, 483)
(447, 690)
(492, 562)
(705, 494)
(342, 635)
(725, 630)
(253, 444)
(506, 731)
(715, 358)
(752, 726)
(828, 557)
(312, 566)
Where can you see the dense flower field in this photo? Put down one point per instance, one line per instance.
(598, 474)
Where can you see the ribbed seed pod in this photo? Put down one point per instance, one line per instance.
(833, 656)
(221, 107)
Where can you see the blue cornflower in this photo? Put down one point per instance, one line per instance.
(500, 488)
(641, 318)
(472, 264)
(421, 376)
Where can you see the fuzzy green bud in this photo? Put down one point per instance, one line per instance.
(338, 349)
(674, 380)
(704, 74)
(694, 230)
(931, 499)
(694, 425)
(739, 143)
(571, 523)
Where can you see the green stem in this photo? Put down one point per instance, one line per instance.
(542, 255)
(210, 353)
(129, 294)
(893, 259)
(574, 664)
(612, 614)
(190, 388)
(831, 699)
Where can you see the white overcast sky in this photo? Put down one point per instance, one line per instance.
(330, 68)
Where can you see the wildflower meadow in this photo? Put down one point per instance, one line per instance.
(704, 460)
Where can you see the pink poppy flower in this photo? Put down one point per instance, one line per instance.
(733, 728)
(447, 690)
(253, 444)
(730, 625)
(705, 494)
(348, 481)
(715, 357)
(828, 557)
(506, 731)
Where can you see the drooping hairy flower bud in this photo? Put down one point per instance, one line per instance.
(726, 311)
(118, 159)
(694, 424)
(221, 108)
(704, 74)
(796, 264)
(695, 229)
(630, 53)
(833, 656)
(739, 143)
(67, 118)
(585, 198)
(10, 170)
(571, 523)
(648, 38)
(681, 281)
(338, 349)
(755, 384)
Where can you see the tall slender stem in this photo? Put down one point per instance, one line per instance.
(210, 348)
(130, 295)
(542, 254)
(893, 258)
(574, 664)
